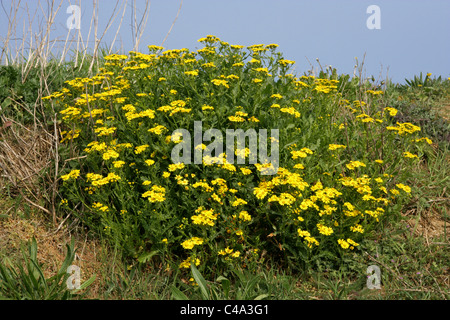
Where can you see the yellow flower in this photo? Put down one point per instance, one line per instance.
(424, 138)
(238, 202)
(311, 241)
(156, 194)
(186, 264)
(392, 111)
(175, 166)
(352, 243)
(236, 119)
(141, 149)
(191, 73)
(357, 228)
(354, 164)
(344, 244)
(324, 229)
(157, 130)
(285, 62)
(115, 57)
(336, 146)
(298, 154)
(189, 244)
(291, 110)
(118, 164)
(235, 254)
(205, 107)
(260, 193)
(302, 233)
(245, 171)
(243, 215)
(299, 166)
(220, 82)
(209, 65)
(74, 174)
(110, 154)
(403, 128)
(206, 217)
(403, 187)
(409, 155)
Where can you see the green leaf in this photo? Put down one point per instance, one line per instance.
(177, 294)
(6, 103)
(200, 281)
(85, 284)
(262, 296)
(143, 258)
(225, 285)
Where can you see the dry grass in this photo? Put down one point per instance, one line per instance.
(27, 155)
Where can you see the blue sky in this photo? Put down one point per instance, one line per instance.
(414, 35)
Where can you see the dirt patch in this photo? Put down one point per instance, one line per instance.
(431, 226)
(51, 245)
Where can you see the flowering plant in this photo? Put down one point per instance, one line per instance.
(341, 167)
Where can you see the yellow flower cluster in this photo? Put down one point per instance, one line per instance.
(157, 130)
(325, 85)
(392, 111)
(205, 217)
(349, 243)
(74, 174)
(303, 153)
(186, 264)
(230, 252)
(243, 215)
(355, 164)
(324, 229)
(104, 131)
(140, 149)
(100, 207)
(404, 128)
(408, 154)
(99, 180)
(291, 110)
(336, 146)
(220, 82)
(190, 243)
(176, 166)
(72, 134)
(155, 194)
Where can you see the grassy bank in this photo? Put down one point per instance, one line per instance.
(411, 249)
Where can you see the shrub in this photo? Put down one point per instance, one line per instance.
(342, 160)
